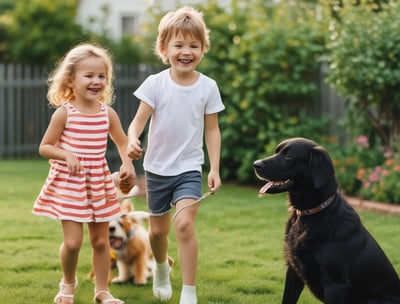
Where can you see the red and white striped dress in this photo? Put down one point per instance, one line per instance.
(89, 196)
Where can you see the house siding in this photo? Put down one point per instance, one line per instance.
(89, 10)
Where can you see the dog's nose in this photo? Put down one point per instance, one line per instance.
(257, 163)
(111, 229)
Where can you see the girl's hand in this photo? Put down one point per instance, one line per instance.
(73, 164)
(134, 150)
(127, 177)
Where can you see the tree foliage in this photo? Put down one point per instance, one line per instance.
(41, 31)
(365, 68)
(6, 5)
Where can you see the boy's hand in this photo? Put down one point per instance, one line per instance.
(134, 150)
(214, 181)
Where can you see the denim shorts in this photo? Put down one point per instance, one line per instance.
(163, 192)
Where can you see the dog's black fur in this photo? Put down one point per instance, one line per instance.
(328, 250)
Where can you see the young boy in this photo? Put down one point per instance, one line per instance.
(183, 105)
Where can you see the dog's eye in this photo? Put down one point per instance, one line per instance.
(286, 156)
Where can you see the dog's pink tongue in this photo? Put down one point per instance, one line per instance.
(265, 188)
(117, 243)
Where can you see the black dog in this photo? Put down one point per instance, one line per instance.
(326, 246)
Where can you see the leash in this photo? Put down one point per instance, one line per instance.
(127, 197)
(198, 201)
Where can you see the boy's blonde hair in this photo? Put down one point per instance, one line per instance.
(184, 21)
(59, 90)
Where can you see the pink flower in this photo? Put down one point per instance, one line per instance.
(362, 141)
(374, 177)
(388, 154)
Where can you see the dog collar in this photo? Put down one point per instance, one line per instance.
(318, 208)
(131, 233)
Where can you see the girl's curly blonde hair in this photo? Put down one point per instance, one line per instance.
(59, 90)
(185, 21)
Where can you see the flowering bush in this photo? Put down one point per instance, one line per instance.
(381, 183)
(345, 173)
(370, 173)
(349, 159)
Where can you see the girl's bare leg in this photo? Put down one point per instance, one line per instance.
(69, 255)
(99, 240)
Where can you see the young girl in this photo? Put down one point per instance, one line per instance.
(183, 105)
(79, 188)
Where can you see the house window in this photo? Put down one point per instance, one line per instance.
(128, 25)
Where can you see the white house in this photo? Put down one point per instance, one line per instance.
(119, 17)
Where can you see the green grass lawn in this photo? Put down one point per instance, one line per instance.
(240, 240)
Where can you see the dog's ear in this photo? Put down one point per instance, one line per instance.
(320, 167)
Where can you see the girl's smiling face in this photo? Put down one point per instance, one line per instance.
(184, 53)
(90, 79)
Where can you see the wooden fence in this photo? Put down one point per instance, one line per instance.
(24, 112)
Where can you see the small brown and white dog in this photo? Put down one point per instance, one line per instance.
(129, 241)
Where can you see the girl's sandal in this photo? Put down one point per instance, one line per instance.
(61, 297)
(110, 298)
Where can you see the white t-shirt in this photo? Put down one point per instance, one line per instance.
(175, 138)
